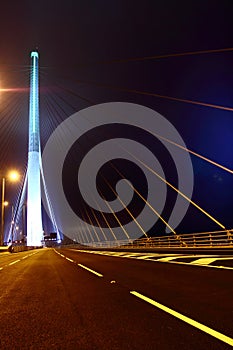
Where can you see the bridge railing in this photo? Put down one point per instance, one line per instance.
(215, 239)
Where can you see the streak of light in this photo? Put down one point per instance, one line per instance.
(14, 89)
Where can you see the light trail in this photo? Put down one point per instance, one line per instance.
(14, 89)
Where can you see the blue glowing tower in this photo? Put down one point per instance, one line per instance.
(34, 214)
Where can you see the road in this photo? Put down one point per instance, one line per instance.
(67, 299)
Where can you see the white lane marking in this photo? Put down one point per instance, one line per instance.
(25, 257)
(87, 268)
(186, 319)
(14, 262)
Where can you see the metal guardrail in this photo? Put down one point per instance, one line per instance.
(216, 239)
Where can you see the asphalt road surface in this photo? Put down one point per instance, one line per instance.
(66, 299)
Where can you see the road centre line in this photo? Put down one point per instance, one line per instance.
(80, 265)
(87, 268)
(186, 319)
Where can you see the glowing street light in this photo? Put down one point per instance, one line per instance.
(12, 176)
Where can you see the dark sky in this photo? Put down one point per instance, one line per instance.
(80, 43)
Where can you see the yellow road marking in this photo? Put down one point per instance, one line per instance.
(87, 268)
(169, 258)
(14, 262)
(186, 319)
(207, 261)
(69, 259)
(204, 261)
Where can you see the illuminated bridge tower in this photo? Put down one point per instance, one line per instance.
(34, 206)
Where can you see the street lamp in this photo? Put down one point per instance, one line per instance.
(12, 176)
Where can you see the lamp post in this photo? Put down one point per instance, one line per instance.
(2, 210)
(13, 176)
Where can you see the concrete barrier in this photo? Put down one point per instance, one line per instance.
(21, 248)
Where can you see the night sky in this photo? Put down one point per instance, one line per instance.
(88, 55)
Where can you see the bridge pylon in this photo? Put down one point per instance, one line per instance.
(34, 205)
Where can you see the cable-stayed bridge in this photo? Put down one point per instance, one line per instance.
(114, 286)
(98, 224)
